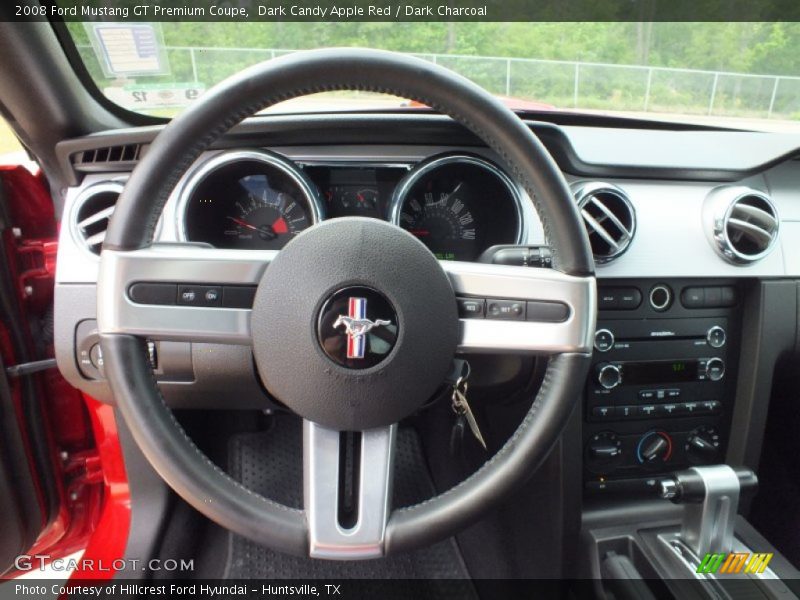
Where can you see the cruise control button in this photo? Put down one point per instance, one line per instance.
(512, 310)
(153, 293)
(471, 308)
(199, 295)
(238, 296)
(547, 312)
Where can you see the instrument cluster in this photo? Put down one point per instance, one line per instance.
(457, 204)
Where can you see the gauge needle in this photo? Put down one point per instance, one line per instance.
(243, 223)
(419, 232)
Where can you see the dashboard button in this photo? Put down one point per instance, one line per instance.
(728, 295)
(512, 310)
(693, 297)
(690, 408)
(647, 395)
(238, 296)
(627, 412)
(673, 393)
(629, 298)
(648, 410)
(471, 308)
(716, 337)
(153, 293)
(603, 412)
(548, 312)
(713, 297)
(608, 298)
(668, 410)
(603, 340)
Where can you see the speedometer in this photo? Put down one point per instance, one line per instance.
(248, 200)
(458, 205)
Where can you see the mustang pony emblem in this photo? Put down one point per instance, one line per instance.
(356, 326)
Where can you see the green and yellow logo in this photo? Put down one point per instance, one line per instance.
(736, 562)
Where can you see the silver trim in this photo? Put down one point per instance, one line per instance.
(433, 163)
(116, 313)
(103, 187)
(708, 369)
(707, 527)
(327, 539)
(208, 165)
(586, 192)
(718, 209)
(665, 288)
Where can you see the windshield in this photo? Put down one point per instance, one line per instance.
(740, 75)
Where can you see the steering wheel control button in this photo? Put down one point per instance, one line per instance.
(507, 310)
(199, 295)
(547, 312)
(327, 298)
(660, 297)
(153, 293)
(716, 337)
(471, 308)
(603, 340)
(357, 327)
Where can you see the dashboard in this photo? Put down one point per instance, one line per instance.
(457, 204)
(697, 255)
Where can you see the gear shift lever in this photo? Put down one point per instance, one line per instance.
(711, 495)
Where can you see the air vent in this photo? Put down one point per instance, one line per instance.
(107, 158)
(609, 217)
(93, 209)
(744, 223)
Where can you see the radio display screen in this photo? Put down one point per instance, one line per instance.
(660, 371)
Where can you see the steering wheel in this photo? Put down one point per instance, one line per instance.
(298, 288)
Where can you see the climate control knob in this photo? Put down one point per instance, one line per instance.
(702, 446)
(603, 452)
(654, 449)
(609, 376)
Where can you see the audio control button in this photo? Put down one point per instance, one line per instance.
(603, 340)
(602, 413)
(689, 408)
(710, 406)
(627, 412)
(609, 376)
(715, 369)
(648, 410)
(647, 395)
(674, 393)
(716, 337)
(668, 410)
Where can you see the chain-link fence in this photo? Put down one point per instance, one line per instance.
(561, 84)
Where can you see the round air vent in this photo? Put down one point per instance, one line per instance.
(609, 218)
(744, 223)
(93, 209)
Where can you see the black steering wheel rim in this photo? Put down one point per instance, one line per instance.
(173, 455)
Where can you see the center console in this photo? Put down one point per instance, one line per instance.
(660, 393)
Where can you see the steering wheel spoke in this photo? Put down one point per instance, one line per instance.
(170, 317)
(347, 485)
(558, 311)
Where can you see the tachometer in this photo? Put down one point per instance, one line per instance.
(458, 206)
(248, 200)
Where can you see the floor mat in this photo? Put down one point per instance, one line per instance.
(270, 464)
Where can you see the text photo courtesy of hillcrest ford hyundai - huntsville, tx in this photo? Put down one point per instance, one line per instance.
(405, 299)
